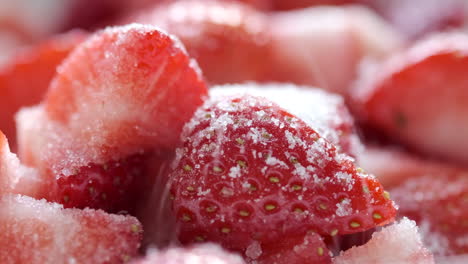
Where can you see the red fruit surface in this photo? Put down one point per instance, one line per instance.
(229, 40)
(120, 96)
(324, 46)
(324, 112)
(397, 243)
(200, 254)
(393, 165)
(36, 232)
(420, 98)
(308, 249)
(438, 204)
(251, 173)
(25, 77)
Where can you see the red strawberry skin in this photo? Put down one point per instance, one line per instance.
(250, 172)
(231, 40)
(419, 97)
(24, 78)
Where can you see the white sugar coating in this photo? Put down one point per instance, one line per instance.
(399, 243)
(52, 234)
(14, 177)
(456, 259)
(199, 254)
(323, 111)
(254, 250)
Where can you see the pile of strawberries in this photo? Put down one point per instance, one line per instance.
(209, 131)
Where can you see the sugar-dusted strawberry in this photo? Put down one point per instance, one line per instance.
(398, 243)
(200, 254)
(438, 204)
(393, 165)
(24, 78)
(308, 249)
(326, 45)
(120, 96)
(229, 40)
(251, 174)
(419, 96)
(324, 112)
(296, 4)
(16, 178)
(36, 232)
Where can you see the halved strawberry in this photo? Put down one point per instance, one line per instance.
(392, 165)
(324, 112)
(438, 203)
(420, 98)
(16, 178)
(326, 45)
(200, 254)
(398, 243)
(36, 232)
(24, 78)
(229, 40)
(251, 174)
(120, 96)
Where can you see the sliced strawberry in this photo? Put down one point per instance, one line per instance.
(16, 178)
(36, 232)
(228, 39)
(120, 96)
(250, 172)
(25, 77)
(200, 254)
(438, 203)
(398, 243)
(324, 112)
(308, 249)
(302, 53)
(419, 97)
(393, 166)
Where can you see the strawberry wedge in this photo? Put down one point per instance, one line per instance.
(35, 232)
(250, 174)
(122, 95)
(420, 98)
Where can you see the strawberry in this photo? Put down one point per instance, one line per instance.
(24, 78)
(36, 232)
(16, 178)
(250, 174)
(296, 4)
(200, 254)
(323, 111)
(308, 249)
(438, 203)
(398, 243)
(228, 39)
(301, 53)
(393, 165)
(400, 97)
(120, 97)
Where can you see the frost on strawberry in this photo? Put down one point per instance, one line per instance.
(324, 112)
(16, 178)
(438, 204)
(249, 173)
(200, 254)
(122, 95)
(36, 232)
(398, 243)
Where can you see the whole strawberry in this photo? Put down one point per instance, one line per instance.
(250, 174)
